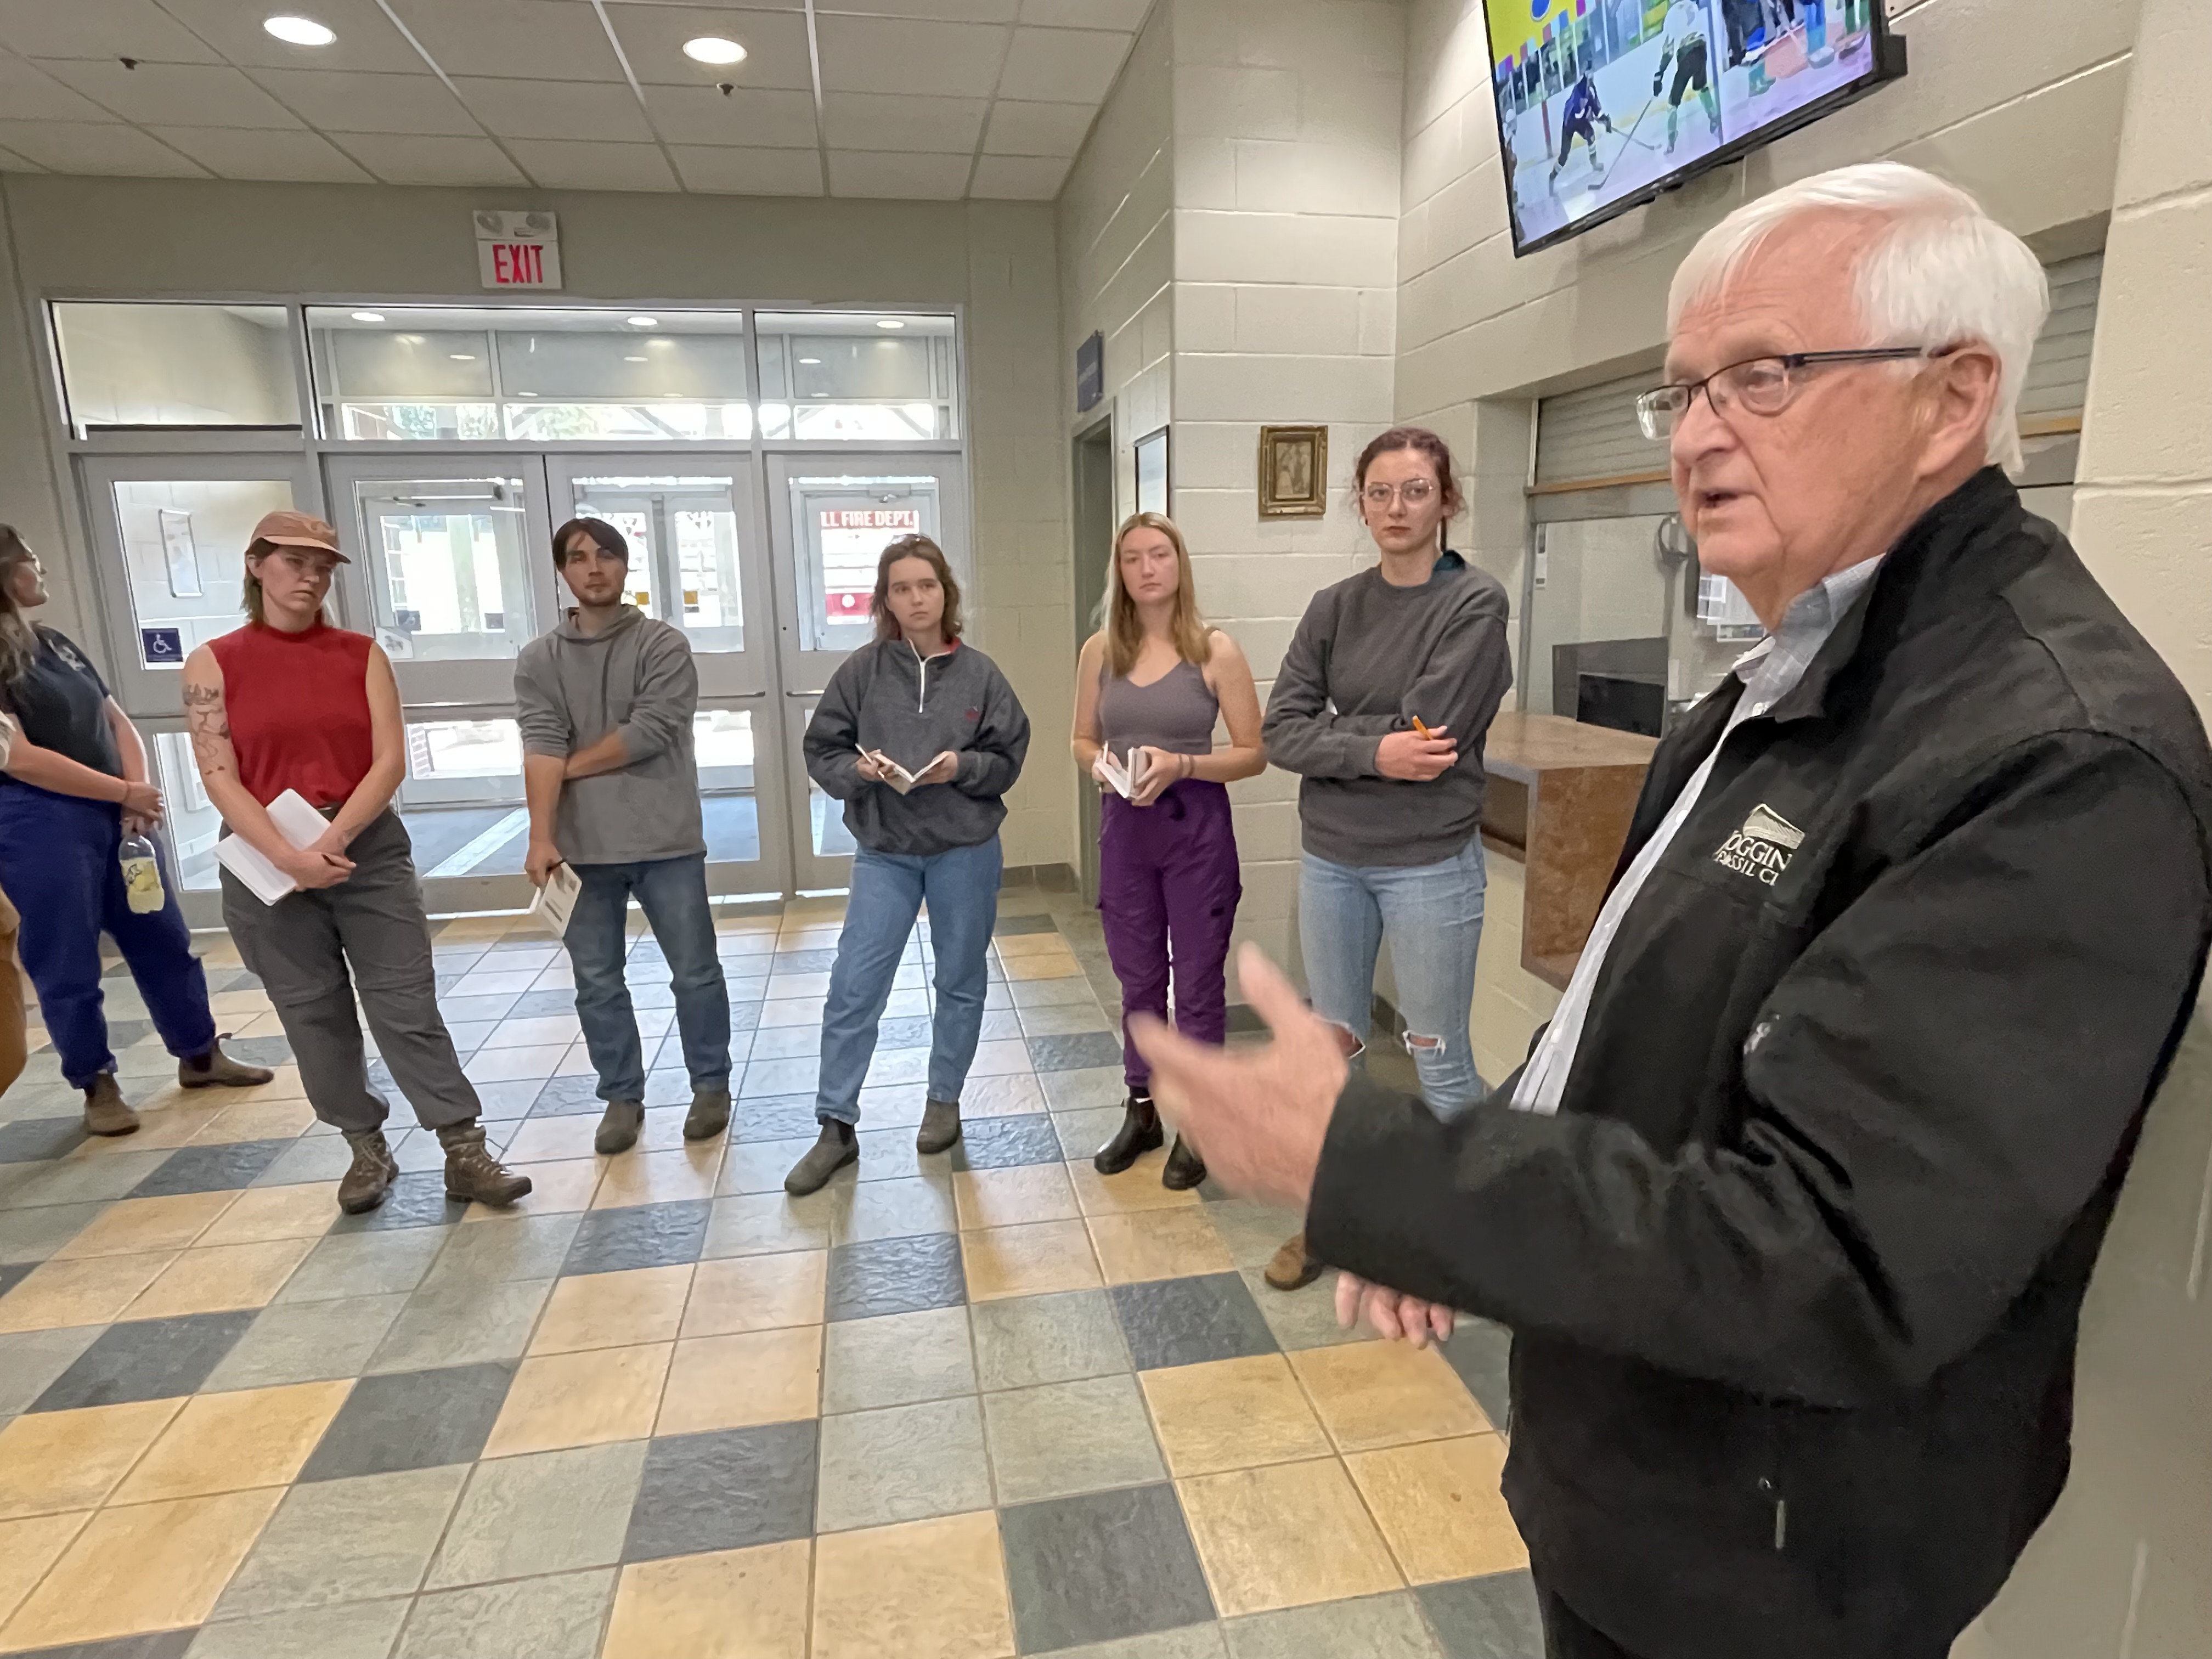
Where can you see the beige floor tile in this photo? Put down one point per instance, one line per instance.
(231, 1441)
(28, 1548)
(660, 1177)
(1440, 1508)
(142, 1567)
(1232, 1414)
(576, 1061)
(543, 1140)
(1046, 964)
(539, 1031)
(1371, 1394)
(732, 1604)
(265, 1024)
(221, 1277)
(757, 1293)
(613, 1311)
(581, 1399)
(1285, 1535)
(1018, 1094)
(1027, 1260)
(1010, 1198)
(90, 1292)
(134, 1226)
(1158, 1245)
(263, 1213)
(514, 1065)
(1134, 1191)
(735, 1382)
(241, 1005)
(1011, 946)
(792, 1011)
(554, 1188)
(284, 1085)
(923, 1590)
(161, 1124)
(260, 1120)
(51, 1462)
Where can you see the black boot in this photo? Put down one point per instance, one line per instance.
(1185, 1168)
(837, 1147)
(1139, 1133)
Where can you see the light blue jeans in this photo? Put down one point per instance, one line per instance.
(962, 888)
(1432, 916)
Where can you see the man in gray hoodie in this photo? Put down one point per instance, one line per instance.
(606, 702)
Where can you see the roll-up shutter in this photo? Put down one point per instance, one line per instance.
(2059, 373)
(1590, 436)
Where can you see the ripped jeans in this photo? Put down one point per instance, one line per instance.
(1433, 915)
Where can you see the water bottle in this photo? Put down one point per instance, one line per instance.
(142, 875)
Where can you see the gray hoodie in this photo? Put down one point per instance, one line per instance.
(635, 675)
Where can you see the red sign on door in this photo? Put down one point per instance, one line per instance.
(895, 518)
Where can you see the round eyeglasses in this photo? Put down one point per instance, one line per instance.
(1761, 386)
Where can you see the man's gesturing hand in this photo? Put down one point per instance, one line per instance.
(1392, 1313)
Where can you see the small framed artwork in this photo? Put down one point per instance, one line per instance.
(1153, 472)
(1293, 471)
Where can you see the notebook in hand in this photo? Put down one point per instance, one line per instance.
(556, 900)
(297, 822)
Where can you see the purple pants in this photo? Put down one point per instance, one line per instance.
(1168, 888)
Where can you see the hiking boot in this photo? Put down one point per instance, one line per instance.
(1292, 1269)
(1185, 1169)
(940, 1125)
(709, 1115)
(838, 1146)
(473, 1175)
(365, 1182)
(619, 1127)
(217, 1070)
(1139, 1133)
(105, 1111)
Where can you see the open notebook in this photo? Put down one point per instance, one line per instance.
(896, 775)
(1124, 780)
(297, 822)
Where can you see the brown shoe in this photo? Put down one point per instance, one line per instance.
(473, 1175)
(709, 1115)
(217, 1070)
(368, 1178)
(105, 1111)
(1292, 1269)
(940, 1125)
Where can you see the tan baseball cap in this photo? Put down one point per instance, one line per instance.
(289, 529)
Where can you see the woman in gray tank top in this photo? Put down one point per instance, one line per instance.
(1149, 689)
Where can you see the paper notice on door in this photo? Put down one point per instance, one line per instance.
(556, 900)
(297, 822)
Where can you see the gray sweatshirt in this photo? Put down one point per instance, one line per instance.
(635, 676)
(1367, 658)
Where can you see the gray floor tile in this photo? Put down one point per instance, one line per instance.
(13, 1273)
(1094, 1086)
(1493, 1617)
(210, 1168)
(897, 1360)
(514, 1247)
(568, 1096)
(896, 1209)
(904, 1464)
(145, 1359)
(1370, 1627)
(312, 1157)
(1185, 1321)
(307, 1342)
(999, 1025)
(1082, 1133)
(363, 1264)
(771, 1223)
(788, 1117)
(416, 1151)
(417, 1199)
(638, 1235)
(78, 1179)
(1000, 1143)
(1187, 1642)
(1067, 1019)
(1025, 1340)
(1071, 1564)
(759, 1166)
(794, 1041)
(1046, 992)
(1011, 923)
(1302, 1318)
(29, 1140)
(554, 1511)
(345, 1541)
(411, 1420)
(893, 1106)
(555, 1617)
(1253, 1231)
(795, 1076)
(1062, 1438)
(504, 1102)
(466, 1325)
(895, 1275)
(31, 1360)
(1077, 1051)
(361, 1629)
(163, 1644)
(1481, 1352)
(35, 1234)
(724, 1491)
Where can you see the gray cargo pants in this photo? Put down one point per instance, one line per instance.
(371, 923)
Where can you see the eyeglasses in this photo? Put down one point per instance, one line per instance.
(1413, 492)
(1761, 386)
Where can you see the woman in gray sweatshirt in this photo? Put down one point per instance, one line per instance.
(921, 737)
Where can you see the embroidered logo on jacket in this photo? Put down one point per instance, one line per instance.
(1762, 848)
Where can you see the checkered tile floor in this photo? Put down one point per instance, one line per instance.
(968, 1405)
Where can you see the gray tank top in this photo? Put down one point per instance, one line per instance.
(1176, 712)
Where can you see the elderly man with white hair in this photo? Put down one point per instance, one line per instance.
(1792, 1208)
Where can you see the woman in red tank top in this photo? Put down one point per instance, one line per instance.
(290, 702)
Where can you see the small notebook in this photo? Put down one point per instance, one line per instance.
(297, 822)
(556, 900)
(1124, 782)
(896, 775)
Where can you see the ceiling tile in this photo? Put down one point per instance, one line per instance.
(27, 92)
(96, 147)
(576, 164)
(239, 153)
(99, 28)
(701, 115)
(652, 37)
(1066, 65)
(1128, 15)
(948, 11)
(889, 54)
(603, 111)
(540, 39)
(897, 175)
(886, 120)
(406, 158)
(367, 39)
(337, 101)
(175, 94)
(1022, 129)
(1019, 177)
(750, 171)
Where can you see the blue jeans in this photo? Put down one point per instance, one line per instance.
(673, 893)
(961, 887)
(1433, 915)
(58, 862)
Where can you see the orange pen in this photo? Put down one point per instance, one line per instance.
(1423, 730)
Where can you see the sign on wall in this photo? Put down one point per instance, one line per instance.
(518, 249)
(1090, 373)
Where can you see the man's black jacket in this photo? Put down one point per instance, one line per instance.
(1794, 1274)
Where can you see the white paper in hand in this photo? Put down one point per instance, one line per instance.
(1122, 780)
(896, 775)
(556, 900)
(297, 822)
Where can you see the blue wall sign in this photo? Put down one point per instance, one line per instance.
(163, 647)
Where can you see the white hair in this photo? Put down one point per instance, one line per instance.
(1939, 272)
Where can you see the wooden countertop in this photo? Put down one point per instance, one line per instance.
(1520, 745)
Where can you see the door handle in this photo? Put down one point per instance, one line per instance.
(802, 693)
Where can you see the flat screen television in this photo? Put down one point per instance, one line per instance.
(1604, 104)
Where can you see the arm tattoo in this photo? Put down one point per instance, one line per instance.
(209, 721)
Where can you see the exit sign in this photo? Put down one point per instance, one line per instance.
(518, 249)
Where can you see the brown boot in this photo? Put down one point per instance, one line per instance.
(105, 1111)
(473, 1175)
(365, 1182)
(1292, 1269)
(217, 1070)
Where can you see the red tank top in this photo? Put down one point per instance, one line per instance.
(298, 705)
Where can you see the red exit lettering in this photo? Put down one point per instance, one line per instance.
(518, 264)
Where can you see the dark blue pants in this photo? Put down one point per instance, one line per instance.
(58, 863)
(673, 893)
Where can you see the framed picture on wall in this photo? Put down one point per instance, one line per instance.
(1293, 471)
(1153, 472)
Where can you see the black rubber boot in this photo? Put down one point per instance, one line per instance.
(1185, 1168)
(838, 1146)
(1139, 1133)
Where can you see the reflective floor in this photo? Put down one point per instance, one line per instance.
(979, 1404)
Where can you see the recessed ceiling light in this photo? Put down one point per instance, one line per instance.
(889, 322)
(299, 31)
(713, 49)
(461, 356)
(809, 362)
(645, 322)
(368, 316)
(635, 360)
